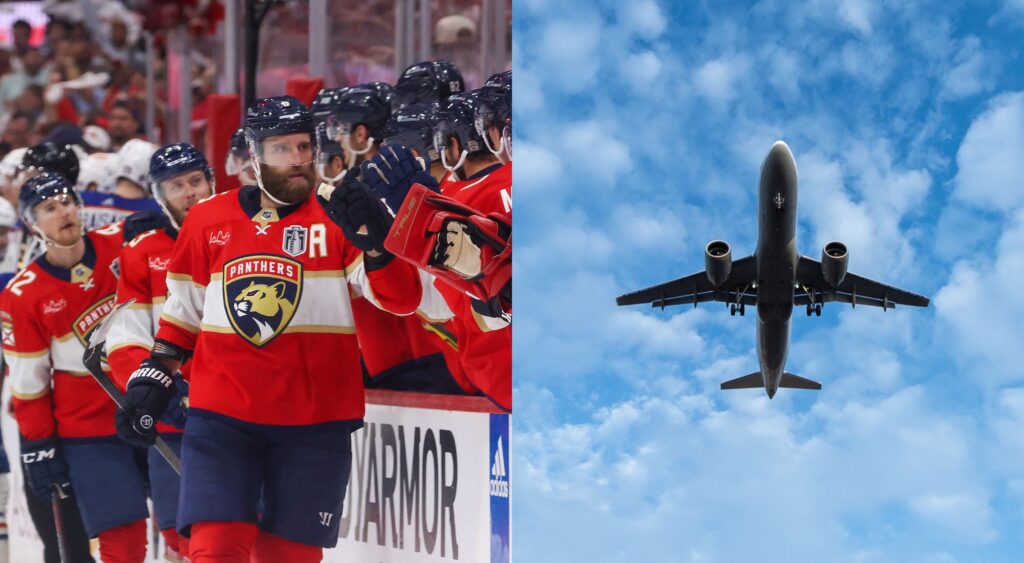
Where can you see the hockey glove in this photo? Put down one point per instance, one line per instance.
(354, 207)
(44, 467)
(177, 408)
(143, 221)
(392, 172)
(150, 389)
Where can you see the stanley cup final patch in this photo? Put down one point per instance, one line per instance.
(261, 293)
(294, 242)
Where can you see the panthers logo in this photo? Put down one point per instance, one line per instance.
(261, 294)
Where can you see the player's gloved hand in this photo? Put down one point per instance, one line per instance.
(355, 208)
(142, 221)
(150, 389)
(177, 408)
(393, 171)
(44, 467)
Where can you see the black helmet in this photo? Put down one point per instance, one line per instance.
(278, 115)
(53, 158)
(458, 115)
(238, 147)
(413, 126)
(494, 108)
(325, 102)
(40, 188)
(384, 90)
(428, 81)
(500, 80)
(358, 106)
(174, 160)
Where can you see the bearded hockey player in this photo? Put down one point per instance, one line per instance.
(65, 419)
(258, 295)
(180, 176)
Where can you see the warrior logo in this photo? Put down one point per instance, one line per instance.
(92, 316)
(295, 238)
(261, 293)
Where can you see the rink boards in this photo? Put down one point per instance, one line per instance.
(429, 482)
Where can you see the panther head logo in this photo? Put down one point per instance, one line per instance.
(261, 294)
(266, 304)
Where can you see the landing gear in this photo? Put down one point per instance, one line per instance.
(817, 309)
(741, 309)
(814, 308)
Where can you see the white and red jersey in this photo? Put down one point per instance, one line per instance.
(47, 313)
(144, 261)
(484, 341)
(263, 297)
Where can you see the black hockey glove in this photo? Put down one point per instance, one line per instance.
(150, 389)
(177, 408)
(392, 172)
(44, 467)
(142, 221)
(362, 216)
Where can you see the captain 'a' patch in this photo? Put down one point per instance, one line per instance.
(261, 293)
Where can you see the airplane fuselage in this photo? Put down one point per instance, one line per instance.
(776, 257)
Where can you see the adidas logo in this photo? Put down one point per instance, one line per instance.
(499, 475)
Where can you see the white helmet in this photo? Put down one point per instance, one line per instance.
(101, 169)
(8, 216)
(134, 162)
(11, 161)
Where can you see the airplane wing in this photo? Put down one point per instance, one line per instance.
(854, 289)
(695, 288)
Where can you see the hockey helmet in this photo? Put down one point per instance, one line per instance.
(133, 159)
(428, 81)
(38, 189)
(413, 126)
(52, 157)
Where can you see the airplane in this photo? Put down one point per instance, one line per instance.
(775, 279)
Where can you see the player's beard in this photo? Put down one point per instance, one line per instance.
(290, 184)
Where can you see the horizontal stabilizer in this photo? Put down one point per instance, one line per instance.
(749, 381)
(796, 382)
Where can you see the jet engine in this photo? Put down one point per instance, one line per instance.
(834, 258)
(717, 262)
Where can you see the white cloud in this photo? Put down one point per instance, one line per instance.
(961, 513)
(599, 155)
(982, 305)
(567, 54)
(643, 18)
(989, 160)
(971, 75)
(641, 69)
(717, 79)
(857, 13)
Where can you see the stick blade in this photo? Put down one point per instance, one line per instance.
(99, 335)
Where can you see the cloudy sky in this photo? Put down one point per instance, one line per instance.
(640, 128)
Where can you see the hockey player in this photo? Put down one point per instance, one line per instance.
(413, 127)
(99, 208)
(237, 163)
(65, 419)
(330, 165)
(180, 177)
(482, 329)
(493, 116)
(356, 122)
(133, 176)
(428, 81)
(258, 295)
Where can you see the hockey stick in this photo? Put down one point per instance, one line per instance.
(56, 495)
(93, 359)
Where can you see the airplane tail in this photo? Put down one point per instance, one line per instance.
(749, 381)
(796, 382)
(755, 381)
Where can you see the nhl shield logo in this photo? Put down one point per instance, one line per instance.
(294, 242)
(261, 293)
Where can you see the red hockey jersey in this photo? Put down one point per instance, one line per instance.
(263, 297)
(144, 261)
(484, 341)
(46, 313)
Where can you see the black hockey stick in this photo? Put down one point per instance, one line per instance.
(93, 359)
(56, 495)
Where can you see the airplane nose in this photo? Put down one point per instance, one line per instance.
(780, 157)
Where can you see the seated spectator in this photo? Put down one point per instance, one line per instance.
(34, 70)
(123, 124)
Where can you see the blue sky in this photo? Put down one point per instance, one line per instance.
(640, 127)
